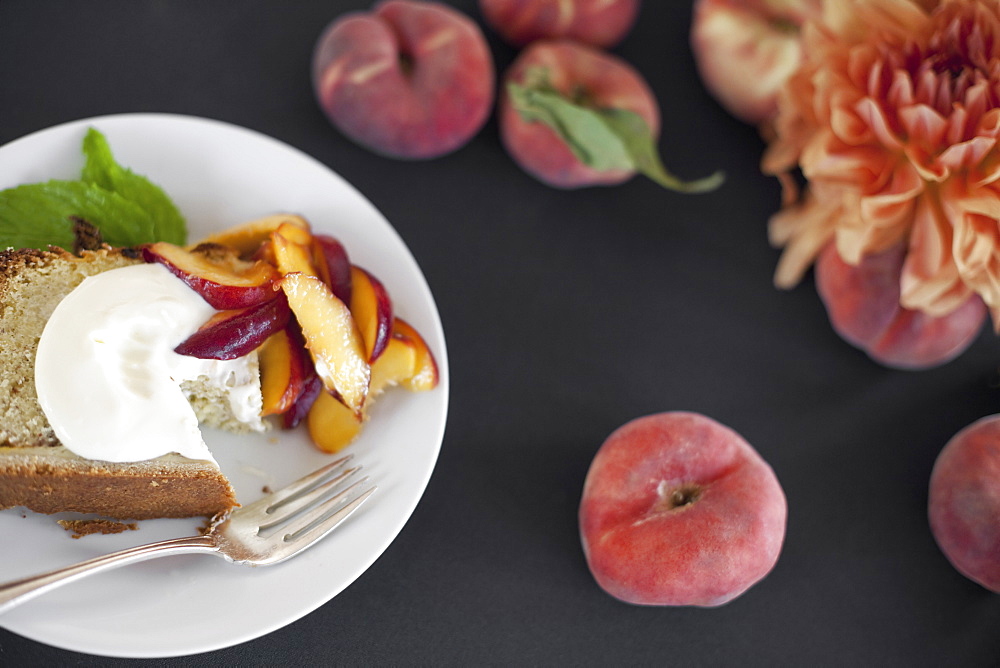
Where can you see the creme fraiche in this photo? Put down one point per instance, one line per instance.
(108, 378)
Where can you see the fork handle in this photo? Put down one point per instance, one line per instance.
(18, 591)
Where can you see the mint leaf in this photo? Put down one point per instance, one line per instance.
(602, 139)
(127, 208)
(101, 170)
(38, 215)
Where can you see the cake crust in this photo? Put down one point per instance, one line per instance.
(51, 480)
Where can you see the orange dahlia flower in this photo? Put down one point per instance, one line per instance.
(893, 119)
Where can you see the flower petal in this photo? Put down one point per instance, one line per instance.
(892, 206)
(957, 199)
(803, 230)
(873, 116)
(968, 153)
(923, 124)
(930, 281)
(894, 121)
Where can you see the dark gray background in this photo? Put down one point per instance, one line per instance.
(567, 314)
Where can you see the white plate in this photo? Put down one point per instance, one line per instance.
(220, 175)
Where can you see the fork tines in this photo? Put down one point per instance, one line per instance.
(313, 499)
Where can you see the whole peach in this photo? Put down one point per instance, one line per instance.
(862, 302)
(590, 78)
(745, 50)
(964, 502)
(679, 510)
(601, 23)
(408, 80)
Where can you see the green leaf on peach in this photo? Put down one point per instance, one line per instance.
(602, 139)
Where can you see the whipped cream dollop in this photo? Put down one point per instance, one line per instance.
(108, 378)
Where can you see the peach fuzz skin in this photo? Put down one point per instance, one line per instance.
(745, 50)
(679, 510)
(412, 80)
(964, 502)
(602, 81)
(862, 303)
(600, 23)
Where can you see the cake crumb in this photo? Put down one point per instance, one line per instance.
(81, 528)
(266, 489)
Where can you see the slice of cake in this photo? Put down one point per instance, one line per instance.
(39, 472)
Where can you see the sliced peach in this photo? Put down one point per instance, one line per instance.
(332, 337)
(276, 385)
(295, 233)
(425, 375)
(284, 370)
(332, 425)
(397, 363)
(330, 258)
(238, 332)
(216, 273)
(265, 253)
(372, 310)
(292, 247)
(300, 409)
(247, 237)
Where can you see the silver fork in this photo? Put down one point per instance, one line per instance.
(268, 531)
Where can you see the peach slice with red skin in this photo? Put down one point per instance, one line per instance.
(397, 363)
(425, 372)
(296, 249)
(320, 367)
(299, 411)
(332, 425)
(600, 23)
(238, 332)
(265, 253)
(284, 370)
(216, 273)
(332, 338)
(289, 383)
(277, 384)
(372, 311)
(292, 247)
(294, 232)
(679, 510)
(593, 78)
(409, 79)
(248, 237)
(330, 259)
